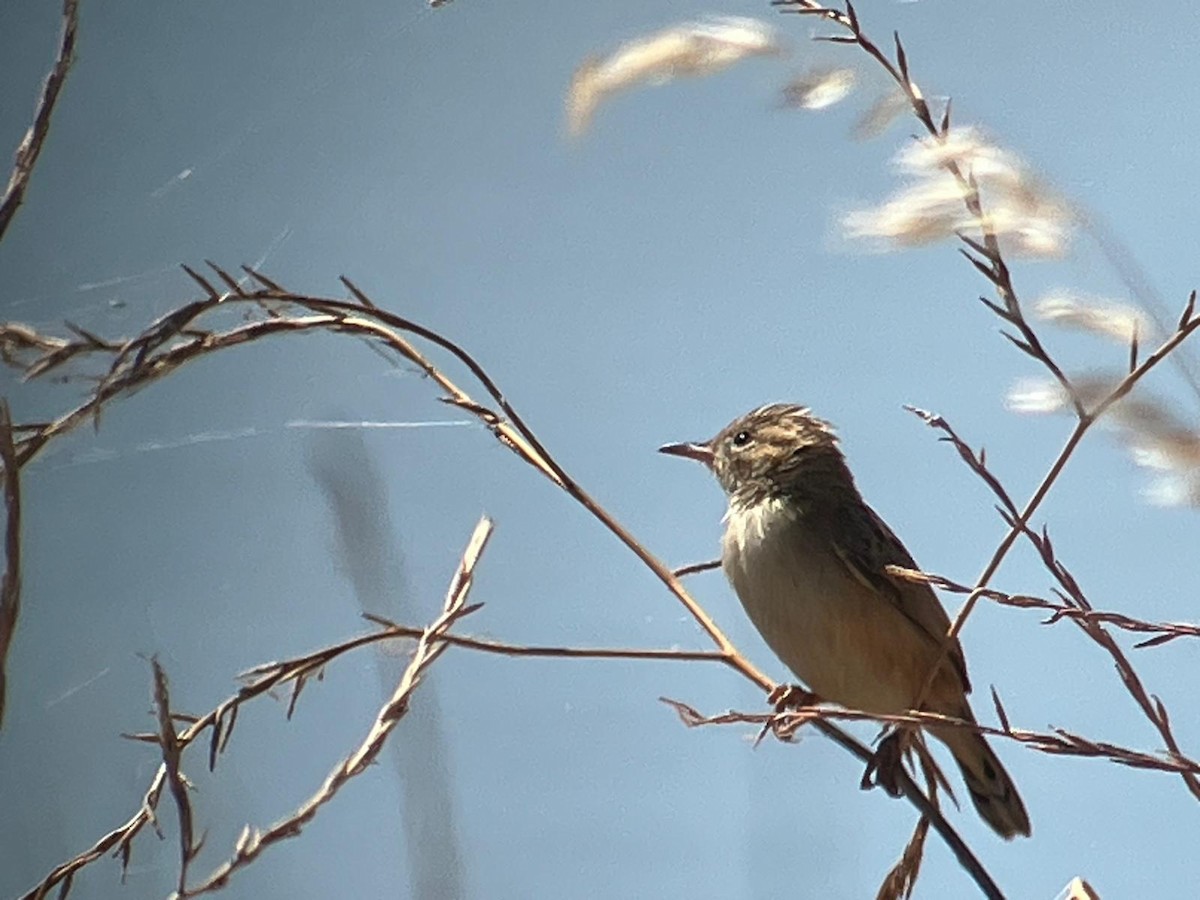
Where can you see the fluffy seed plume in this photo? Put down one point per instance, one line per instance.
(886, 109)
(694, 48)
(928, 211)
(1155, 437)
(1095, 316)
(1018, 208)
(1037, 396)
(819, 88)
(965, 147)
(1157, 440)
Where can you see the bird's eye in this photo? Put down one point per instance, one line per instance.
(741, 439)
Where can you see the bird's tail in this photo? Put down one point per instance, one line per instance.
(990, 786)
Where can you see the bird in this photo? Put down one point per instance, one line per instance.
(807, 558)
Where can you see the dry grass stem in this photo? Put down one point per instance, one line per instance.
(31, 144)
(1095, 316)
(1060, 742)
(1163, 632)
(1156, 437)
(172, 754)
(901, 881)
(880, 115)
(487, 645)
(10, 585)
(266, 678)
(819, 88)
(1151, 706)
(252, 842)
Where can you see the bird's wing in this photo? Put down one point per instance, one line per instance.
(865, 545)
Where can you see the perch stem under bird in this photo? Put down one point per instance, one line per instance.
(808, 559)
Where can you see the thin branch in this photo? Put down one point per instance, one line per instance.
(977, 462)
(486, 645)
(31, 145)
(10, 585)
(1060, 741)
(172, 751)
(901, 881)
(252, 842)
(1163, 632)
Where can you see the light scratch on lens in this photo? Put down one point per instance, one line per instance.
(312, 423)
(200, 437)
(101, 455)
(124, 279)
(79, 687)
(276, 242)
(172, 183)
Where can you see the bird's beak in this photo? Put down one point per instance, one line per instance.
(699, 452)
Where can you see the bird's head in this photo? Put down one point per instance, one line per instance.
(776, 450)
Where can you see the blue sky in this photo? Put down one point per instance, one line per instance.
(680, 264)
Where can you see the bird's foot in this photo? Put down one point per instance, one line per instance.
(885, 766)
(782, 698)
(791, 696)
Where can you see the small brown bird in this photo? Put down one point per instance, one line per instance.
(807, 558)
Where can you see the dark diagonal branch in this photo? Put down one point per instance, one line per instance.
(31, 145)
(10, 585)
